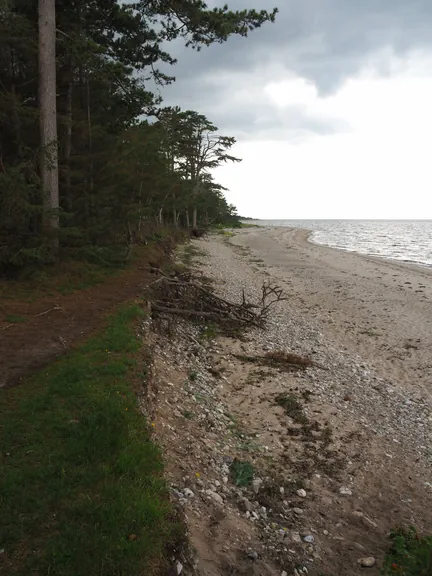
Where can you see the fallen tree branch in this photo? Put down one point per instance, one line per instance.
(182, 295)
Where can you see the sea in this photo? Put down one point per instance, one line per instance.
(405, 240)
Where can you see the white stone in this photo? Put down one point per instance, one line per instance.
(367, 562)
(217, 498)
(301, 493)
(256, 485)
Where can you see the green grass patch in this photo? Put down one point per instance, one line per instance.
(14, 318)
(410, 554)
(190, 254)
(81, 486)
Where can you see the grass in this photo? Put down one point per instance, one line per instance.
(81, 487)
(14, 318)
(64, 278)
(77, 272)
(190, 254)
(410, 554)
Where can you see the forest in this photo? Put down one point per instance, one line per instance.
(91, 161)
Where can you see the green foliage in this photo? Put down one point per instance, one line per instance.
(125, 163)
(242, 472)
(14, 318)
(410, 554)
(81, 488)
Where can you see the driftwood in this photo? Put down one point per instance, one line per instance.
(183, 295)
(286, 361)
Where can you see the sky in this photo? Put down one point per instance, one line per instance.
(331, 107)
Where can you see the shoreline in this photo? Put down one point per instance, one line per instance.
(365, 294)
(310, 232)
(358, 441)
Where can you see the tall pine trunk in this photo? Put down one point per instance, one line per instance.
(90, 132)
(48, 119)
(68, 142)
(187, 219)
(194, 218)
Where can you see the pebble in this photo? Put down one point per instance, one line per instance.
(298, 511)
(367, 562)
(283, 573)
(256, 485)
(301, 493)
(368, 522)
(188, 493)
(252, 555)
(176, 493)
(295, 537)
(344, 491)
(179, 568)
(309, 539)
(215, 496)
(247, 505)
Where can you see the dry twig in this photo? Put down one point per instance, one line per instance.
(182, 295)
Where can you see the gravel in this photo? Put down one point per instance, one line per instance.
(403, 417)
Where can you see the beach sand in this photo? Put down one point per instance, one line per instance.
(362, 449)
(379, 309)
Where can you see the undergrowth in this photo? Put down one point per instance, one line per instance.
(81, 488)
(410, 554)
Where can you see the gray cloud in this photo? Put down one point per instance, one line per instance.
(324, 41)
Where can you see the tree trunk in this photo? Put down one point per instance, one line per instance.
(68, 143)
(175, 220)
(194, 218)
(187, 219)
(90, 132)
(48, 118)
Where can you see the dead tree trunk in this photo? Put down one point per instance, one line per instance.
(48, 118)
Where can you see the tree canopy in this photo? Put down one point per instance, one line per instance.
(125, 161)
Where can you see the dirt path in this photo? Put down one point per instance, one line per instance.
(340, 453)
(50, 326)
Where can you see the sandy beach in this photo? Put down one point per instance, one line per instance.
(357, 464)
(375, 308)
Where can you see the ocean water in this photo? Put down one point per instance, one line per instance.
(405, 240)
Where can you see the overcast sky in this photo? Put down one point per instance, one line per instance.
(331, 107)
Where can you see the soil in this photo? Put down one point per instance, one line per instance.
(52, 325)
